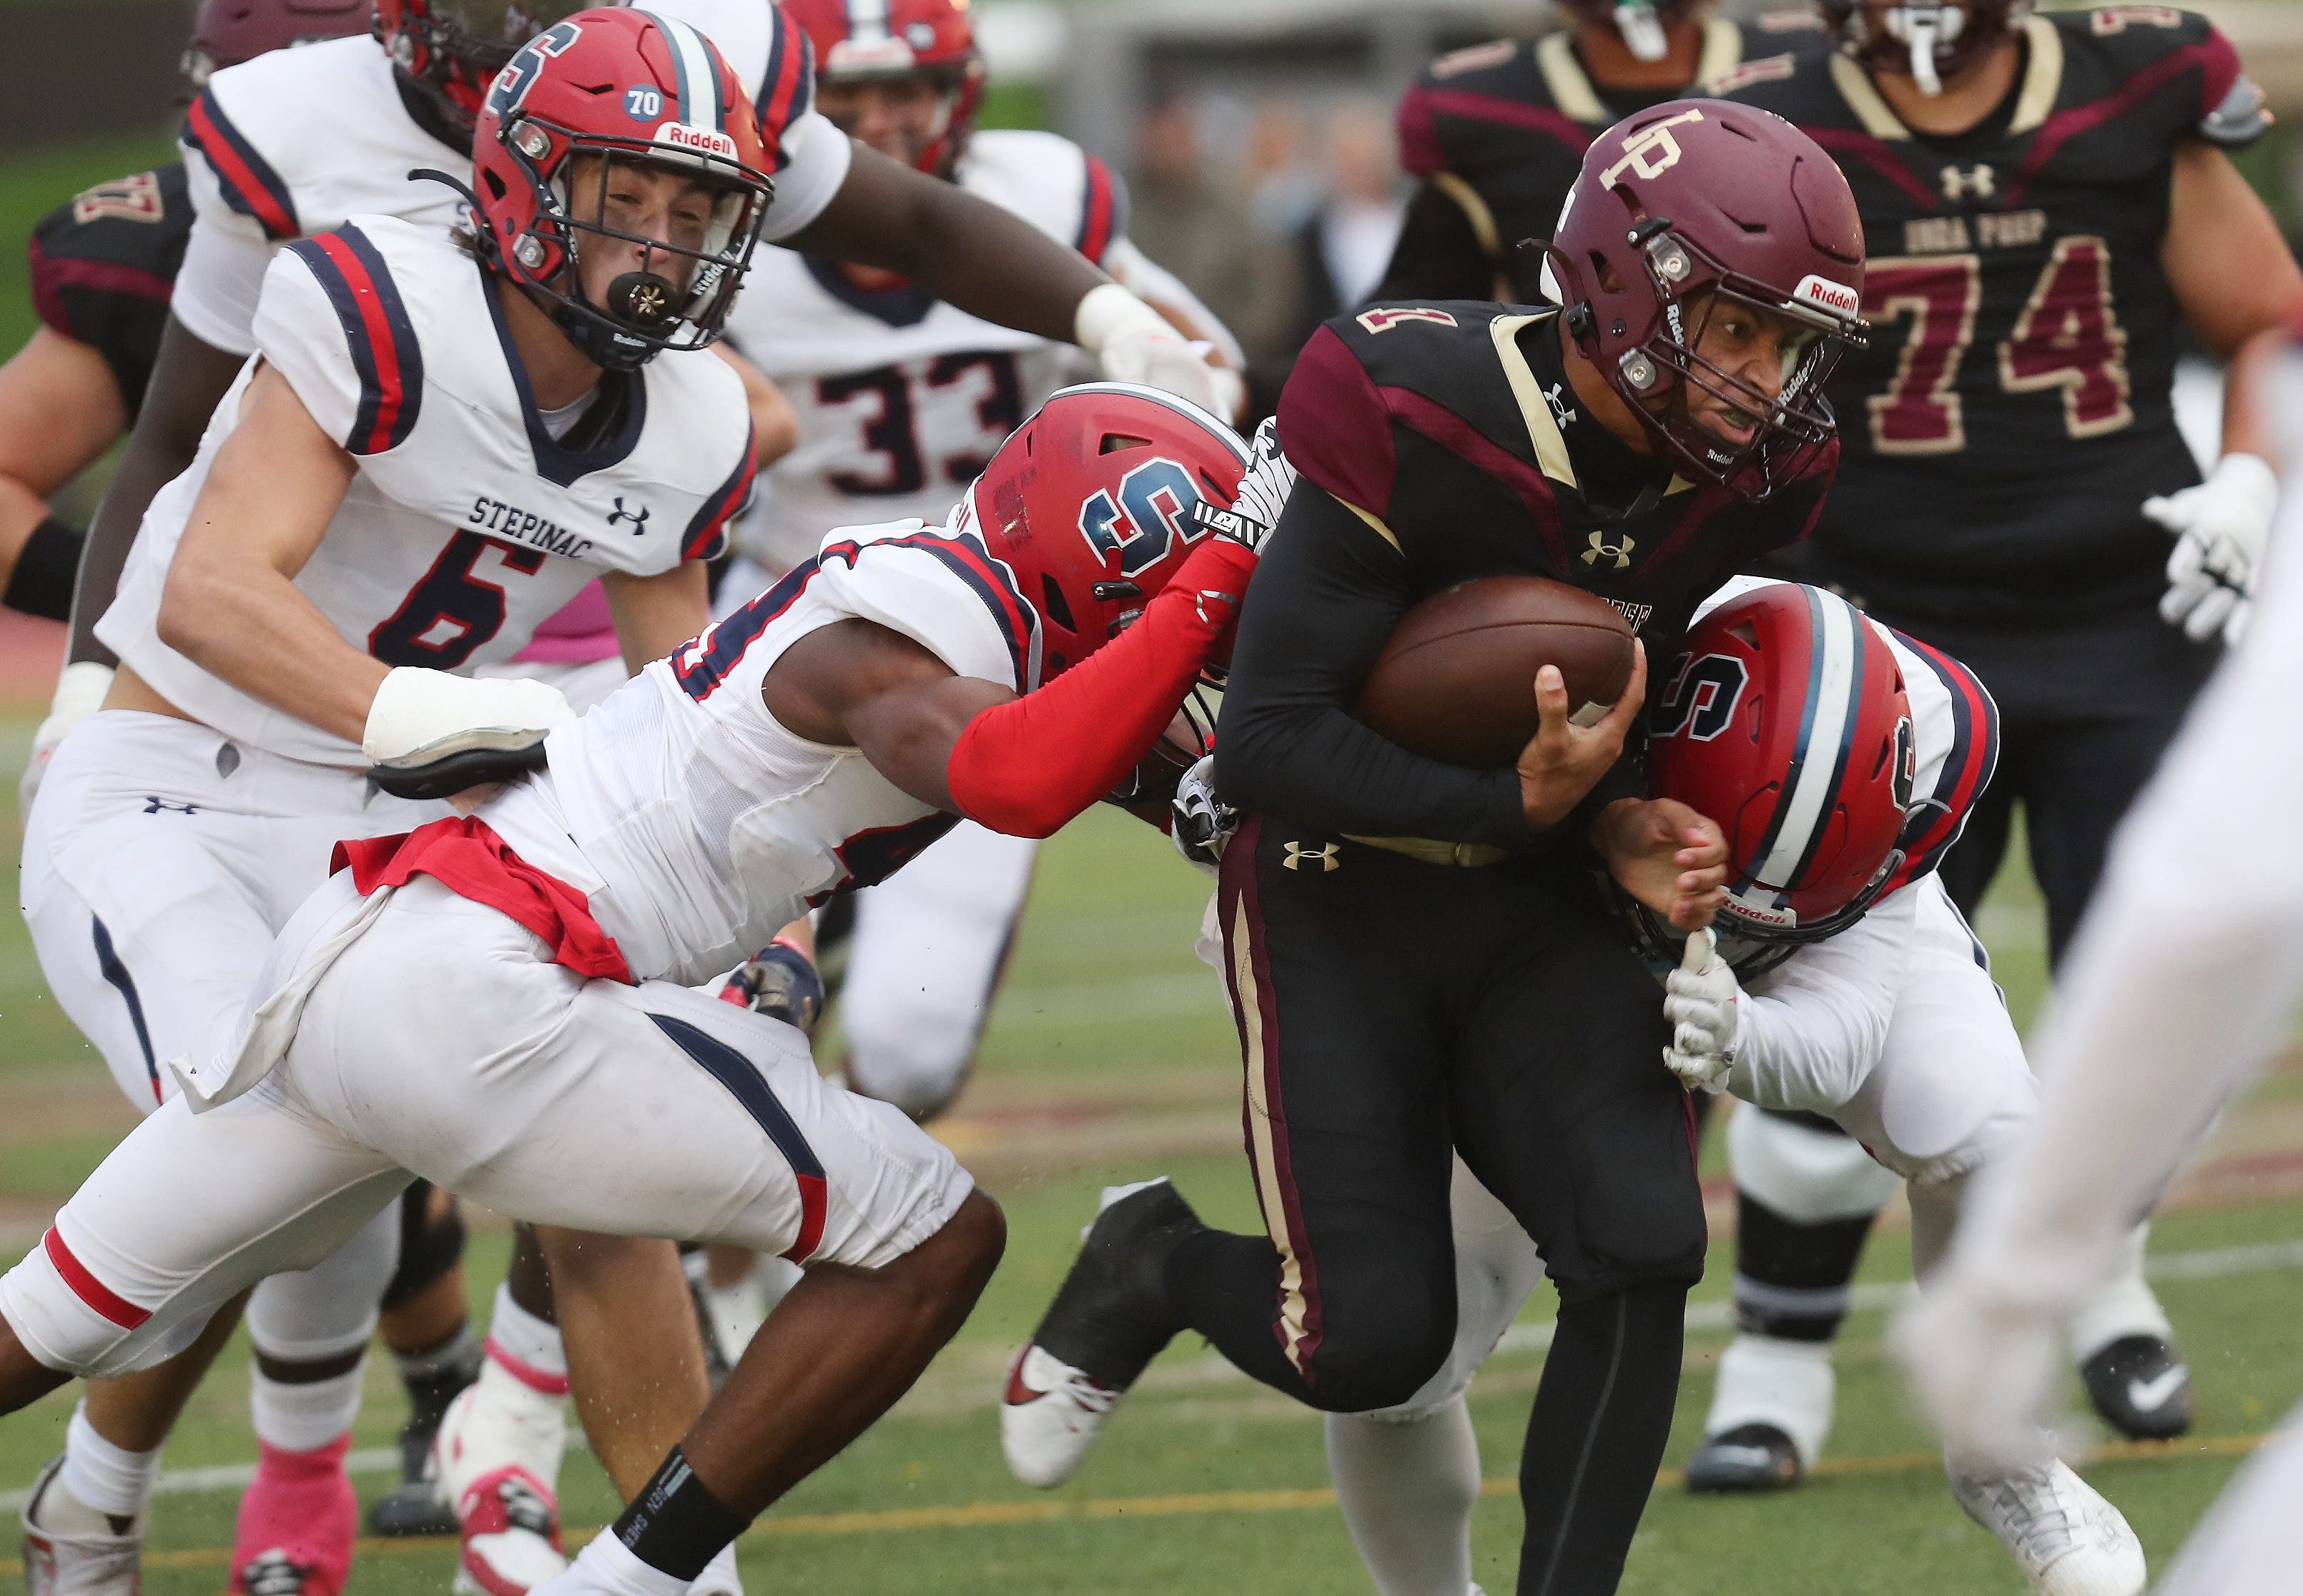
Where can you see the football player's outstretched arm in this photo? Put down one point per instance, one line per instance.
(60, 408)
(231, 604)
(655, 615)
(189, 378)
(1022, 766)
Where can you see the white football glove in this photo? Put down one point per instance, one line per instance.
(79, 694)
(1262, 495)
(430, 734)
(1700, 1000)
(1201, 824)
(2221, 527)
(1134, 344)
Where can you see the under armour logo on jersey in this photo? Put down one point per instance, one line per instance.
(1978, 182)
(1601, 549)
(152, 805)
(638, 518)
(1561, 410)
(1324, 857)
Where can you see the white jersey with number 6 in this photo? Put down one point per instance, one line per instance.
(467, 522)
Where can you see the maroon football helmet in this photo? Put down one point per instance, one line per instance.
(867, 41)
(1683, 208)
(676, 103)
(1784, 718)
(1090, 502)
(227, 32)
(1928, 40)
(1643, 23)
(449, 49)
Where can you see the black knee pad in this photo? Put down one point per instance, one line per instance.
(428, 1248)
(1379, 1342)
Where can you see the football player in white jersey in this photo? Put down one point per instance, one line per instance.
(436, 446)
(1011, 668)
(2181, 984)
(1862, 997)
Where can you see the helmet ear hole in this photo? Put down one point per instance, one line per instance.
(1052, 605)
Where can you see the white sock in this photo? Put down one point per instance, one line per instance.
(720, 1574)
(107, 1478)
(2124, 1306)
(527, 1347)
(306, 1416)
(607, 1567)
(1407, 1488)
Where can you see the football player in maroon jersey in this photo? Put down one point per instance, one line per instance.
(2048, 206)
(1497, 132)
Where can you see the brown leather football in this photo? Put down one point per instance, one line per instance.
(1456, 681)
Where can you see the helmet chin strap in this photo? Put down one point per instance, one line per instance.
(1924, 26)
(1642, 30)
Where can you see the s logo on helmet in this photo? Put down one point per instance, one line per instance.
(520, 73)
(1151, 520)
(1700, 702)
(1651, 151)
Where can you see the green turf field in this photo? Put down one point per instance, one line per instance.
(1111, 1059)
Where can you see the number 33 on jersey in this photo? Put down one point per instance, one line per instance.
(467, 521)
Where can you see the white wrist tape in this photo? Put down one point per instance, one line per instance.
(1109, 312)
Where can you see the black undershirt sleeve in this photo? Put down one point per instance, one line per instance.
(1438, 256)
(1326, 595)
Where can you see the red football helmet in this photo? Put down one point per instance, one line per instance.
(227, 32)
(450, 48)
(1642, 23)
(1688, 206)
(1785, 719)
(868, 41)
(1090, 503)
(1928, 39)
(674, 104)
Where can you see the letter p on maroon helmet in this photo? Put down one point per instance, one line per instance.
(1681, 211)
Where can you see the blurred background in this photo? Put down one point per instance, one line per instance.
(1256, 138)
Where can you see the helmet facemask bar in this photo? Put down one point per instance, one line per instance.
(1789, 428)
(675, 286)
(456, 47)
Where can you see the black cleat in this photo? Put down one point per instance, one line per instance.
(2141, 1386)
(415, 1505)
(1108, 1321)
(1748, 1457)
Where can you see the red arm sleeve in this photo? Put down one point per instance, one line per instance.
(1027, 766)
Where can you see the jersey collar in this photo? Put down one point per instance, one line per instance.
(2042, 81)
(1573, 92)
(556, 461)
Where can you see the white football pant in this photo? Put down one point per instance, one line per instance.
(156, 871)
(442, 1043)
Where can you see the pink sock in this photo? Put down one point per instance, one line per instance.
(300, 1504)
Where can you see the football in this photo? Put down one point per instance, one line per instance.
(1456, 681)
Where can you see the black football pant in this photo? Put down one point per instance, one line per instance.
(1393, 1012)
(2085, 712)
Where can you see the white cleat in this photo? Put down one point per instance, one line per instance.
(71, 1548)
(1109, 1316)
(498, 1460)
(1051, 1417)
(2065, 1537)
(719, 1577)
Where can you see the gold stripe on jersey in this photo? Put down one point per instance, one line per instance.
(2043, 77)
(1562, 75)
(1723, 49)
(1855, 88)
(1483, 224)
(1375, 524)
(1542, 427)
